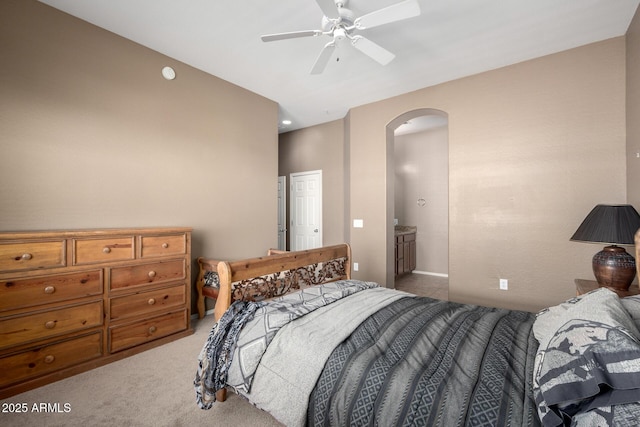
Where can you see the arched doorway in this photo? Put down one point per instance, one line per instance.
(417, 193)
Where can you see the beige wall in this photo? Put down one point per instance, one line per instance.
(633, 111)
(91, 136)
(422, 172)
(532, 148)
(319, 147)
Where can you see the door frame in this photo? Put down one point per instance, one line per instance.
(282, 212)
(390, 176)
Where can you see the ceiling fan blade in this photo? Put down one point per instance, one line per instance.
(395, 12)
(376, 52)
(329, 8)
(290, 35)
(323, 58)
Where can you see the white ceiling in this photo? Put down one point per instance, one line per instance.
(449, 40)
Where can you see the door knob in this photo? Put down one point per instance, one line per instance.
(315, 231)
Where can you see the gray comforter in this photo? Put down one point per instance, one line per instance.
(230, 358)
(420, 361)
(348, 353)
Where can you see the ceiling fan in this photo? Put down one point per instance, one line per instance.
(341, 23)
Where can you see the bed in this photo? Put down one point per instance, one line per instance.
(299, 338)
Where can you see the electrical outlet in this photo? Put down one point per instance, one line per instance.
(355, 266)
(504, 284)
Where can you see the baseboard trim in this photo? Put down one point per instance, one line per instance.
(430, 273)
(194, 316)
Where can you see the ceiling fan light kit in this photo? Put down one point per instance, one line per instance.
(340, 23)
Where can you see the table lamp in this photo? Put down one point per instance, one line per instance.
(614, 225)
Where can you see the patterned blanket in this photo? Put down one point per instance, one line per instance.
(216, 355)
(588, 365)
(420, 361)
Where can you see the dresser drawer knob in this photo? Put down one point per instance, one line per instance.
(106, 249)
(26, 257)
(151, 301)
(49, 289)
(152, 274)
(49, 358)
(152, 329)
(165, 245)
(50, 324)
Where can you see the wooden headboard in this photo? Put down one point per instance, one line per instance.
(277, 273)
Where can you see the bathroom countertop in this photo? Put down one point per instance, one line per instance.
(405, 229)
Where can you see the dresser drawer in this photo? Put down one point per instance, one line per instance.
(90, 251)
(32, 255)
(31, 327)
(147, 302)
(125, 336)
(175, 244)
(20, 293)
(124, 277)
(49, 358)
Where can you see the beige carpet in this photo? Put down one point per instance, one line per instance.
(153, 388)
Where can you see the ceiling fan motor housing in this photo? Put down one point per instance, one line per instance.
(347, 17)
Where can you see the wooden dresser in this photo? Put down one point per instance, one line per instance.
(74, 300)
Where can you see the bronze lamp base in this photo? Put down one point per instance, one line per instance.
(614, 268)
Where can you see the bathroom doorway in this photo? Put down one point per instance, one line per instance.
(420, 174)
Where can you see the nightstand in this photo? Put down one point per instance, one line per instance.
(583, 286)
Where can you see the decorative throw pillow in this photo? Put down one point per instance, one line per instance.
(588, 359)
(599, 304)
(212, 279)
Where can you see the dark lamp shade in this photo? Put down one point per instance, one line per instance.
(613, 224)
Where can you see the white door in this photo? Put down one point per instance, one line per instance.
(282, 213)
(306, 210)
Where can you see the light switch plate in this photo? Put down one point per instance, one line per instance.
(358, 223)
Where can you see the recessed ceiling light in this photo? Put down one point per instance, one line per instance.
(286, 122)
